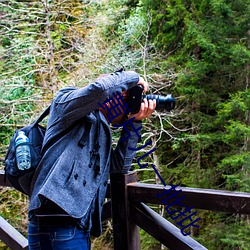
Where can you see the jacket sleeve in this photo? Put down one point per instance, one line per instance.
(122, 157)
(72, 105)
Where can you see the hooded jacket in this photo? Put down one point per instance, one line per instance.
(69, 173)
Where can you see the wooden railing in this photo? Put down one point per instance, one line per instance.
(130, 213)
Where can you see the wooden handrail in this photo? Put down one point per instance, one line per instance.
(11, 237)
(207, 199)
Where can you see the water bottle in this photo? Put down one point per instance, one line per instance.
(23, 156)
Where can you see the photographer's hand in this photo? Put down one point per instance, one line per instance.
(147, 108)
(144, 84)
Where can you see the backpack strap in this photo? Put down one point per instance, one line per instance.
(43, 115)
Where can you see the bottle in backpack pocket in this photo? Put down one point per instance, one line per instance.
(23, 156)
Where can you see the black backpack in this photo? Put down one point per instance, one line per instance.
(21, 179)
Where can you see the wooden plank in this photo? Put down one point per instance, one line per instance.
(11, 237)
(208, 199)
(161, 229)
(126, 232)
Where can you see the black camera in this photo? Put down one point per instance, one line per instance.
(135, 98)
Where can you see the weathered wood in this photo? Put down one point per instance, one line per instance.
(125, 231)
(2, 182)
(11, 237)
(208, 199)
(161, 229)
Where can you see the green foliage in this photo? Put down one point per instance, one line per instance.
(198, 50)
(228, 233)
(206, 43)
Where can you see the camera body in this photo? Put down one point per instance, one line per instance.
(135, 97)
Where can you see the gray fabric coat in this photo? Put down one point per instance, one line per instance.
(66, 174)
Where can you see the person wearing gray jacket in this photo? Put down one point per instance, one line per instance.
(69, 186)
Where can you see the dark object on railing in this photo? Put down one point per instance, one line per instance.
(106, 212)
(4, 182)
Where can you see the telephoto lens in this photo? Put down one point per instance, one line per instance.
(135, 98)
(162, 102)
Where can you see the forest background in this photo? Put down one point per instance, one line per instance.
(198, 50)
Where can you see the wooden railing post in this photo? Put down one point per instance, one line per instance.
(125, 231)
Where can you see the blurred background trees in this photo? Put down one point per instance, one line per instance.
(197, 50)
